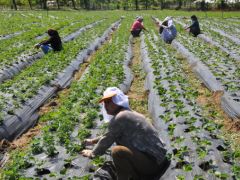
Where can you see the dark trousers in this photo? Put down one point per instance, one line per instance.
(133, 164)
(136, 33)
(195, 32)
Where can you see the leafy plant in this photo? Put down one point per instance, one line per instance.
(181, 152)
(202, 152)
(180, 177)
(83, 133)
(36, 146)
(98, 161)
(198, 177)
(49, 144)
(187, 167)
(236, 171)
(221, 175)
(171, 128)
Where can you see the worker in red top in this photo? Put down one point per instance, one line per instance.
(137, 27)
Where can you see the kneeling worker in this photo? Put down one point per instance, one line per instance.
(139, 151)
(194, 28)
(53, 43)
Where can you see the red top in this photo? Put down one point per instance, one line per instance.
(137, 25)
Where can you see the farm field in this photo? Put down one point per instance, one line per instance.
(49, 103)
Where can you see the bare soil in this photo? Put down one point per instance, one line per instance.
(138, 96)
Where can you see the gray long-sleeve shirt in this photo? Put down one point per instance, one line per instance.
(130, 129)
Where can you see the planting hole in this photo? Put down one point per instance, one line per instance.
(221, 148)
(205, 165)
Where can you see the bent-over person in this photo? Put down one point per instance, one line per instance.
(139, 152)
(167, 30)
(137, 27)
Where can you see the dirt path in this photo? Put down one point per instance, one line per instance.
(137, 95)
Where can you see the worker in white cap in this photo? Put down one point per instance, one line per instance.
(167, 29)
(139, 151)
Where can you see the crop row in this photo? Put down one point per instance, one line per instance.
(8, 22)
(192, 139)
(64, 29)
(228, 26)
(18, 26)
(12, 22)
(229, 100)
(225, 69)
(27, 60)
(17, 91)
(227, 29)
(224, 41)
(23, 45)
(55, 151)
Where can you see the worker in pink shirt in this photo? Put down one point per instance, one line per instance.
(137, 27)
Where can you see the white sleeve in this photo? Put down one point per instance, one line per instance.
(170, 23)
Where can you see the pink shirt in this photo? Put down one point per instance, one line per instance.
(137, 25)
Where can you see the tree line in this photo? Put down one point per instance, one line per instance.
(117, 4)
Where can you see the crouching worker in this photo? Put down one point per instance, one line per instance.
(53, 43)
(139, 153)
(137, 27)
(167, 30)
(194, 27)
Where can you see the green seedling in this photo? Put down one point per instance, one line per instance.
(83, 133)
(171, 128)
(98, 161)
(36, 146)
(202, 152)
(236, 171)
(180, 177)
(198, 177)
(187, 167)
(221, 176)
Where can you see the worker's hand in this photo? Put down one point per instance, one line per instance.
(37, 46)
(88, 142)
(87, 153)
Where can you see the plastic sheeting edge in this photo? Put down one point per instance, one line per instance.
(15, 125)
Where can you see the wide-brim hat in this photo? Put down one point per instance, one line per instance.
(117, 96)
(107, 96)
(167, 18)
